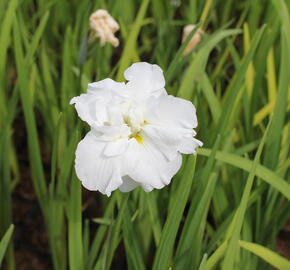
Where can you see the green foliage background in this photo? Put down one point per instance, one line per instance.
(226, 206)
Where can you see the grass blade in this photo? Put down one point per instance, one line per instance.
(5, 242)
(165, 248)
(267, 255)
(130, 45)
(75, 226)
(232, 250)
(264, 173)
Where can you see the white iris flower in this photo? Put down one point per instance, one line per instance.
(137, 135)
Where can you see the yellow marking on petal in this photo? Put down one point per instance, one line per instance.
(145, 123)
(138, 138)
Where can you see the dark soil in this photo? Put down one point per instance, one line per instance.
(283, 242)
(30, 238)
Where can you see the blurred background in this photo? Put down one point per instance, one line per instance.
(227, 208)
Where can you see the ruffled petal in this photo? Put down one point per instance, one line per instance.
(170, 140)
(143, 80)
(165, 140)
(93, 108)
(116, 148)
(94, 169)
(111, 132)
(172, 111)
(148, 166)
(188, 145)
(106, 84)
(90, 108)
(128, 184)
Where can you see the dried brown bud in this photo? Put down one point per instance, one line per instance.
(103, 26)
(194, 40)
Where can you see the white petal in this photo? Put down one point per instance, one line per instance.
(188, 145)
(96, 171)
(115, 116)
(170, 140)
(111, 133)
(128, 184)
(166, 140)
(106, 84)
(172, 111)
(93, 107)
(116, 148)
(144, 79)
(85, 105)
(148, 166)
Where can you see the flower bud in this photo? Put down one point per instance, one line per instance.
(195, 40)
(103, 26)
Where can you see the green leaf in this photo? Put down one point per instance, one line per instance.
(279, 113)
(236, 85)
(267, 255)
(36, 39)
(189, 247)
(169, 232)
(238, 221)
(114, 235)
(264, 173)
(6, 26)
(132, 245)
(5, 39)
(75, 226)
(33, 142)
(5, 242)
(130, 45)
(199, 61)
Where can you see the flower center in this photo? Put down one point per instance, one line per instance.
(138, 139)
(134, 119)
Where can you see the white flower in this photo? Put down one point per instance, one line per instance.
(138, 132)
(103, 26)
(195, 40)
